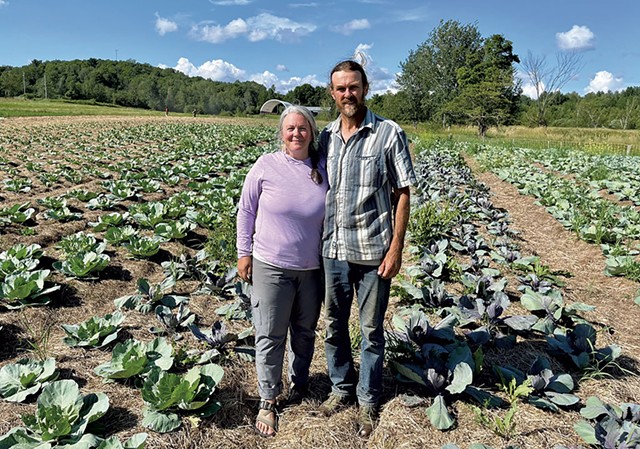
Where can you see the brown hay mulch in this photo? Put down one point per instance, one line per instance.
(400, 426)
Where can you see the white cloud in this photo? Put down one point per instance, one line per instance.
(257, 28)
(164, 26)
(3, 2)
(350, 27)
(577, 38)
(269, 79)
(529, 89)
(216, 70)
(216, 34)
(604, 82)
(219, 70)
(381, 80)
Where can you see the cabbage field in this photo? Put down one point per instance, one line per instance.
(512, 324)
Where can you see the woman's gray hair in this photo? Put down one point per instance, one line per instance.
(306, 113)
(313, 150)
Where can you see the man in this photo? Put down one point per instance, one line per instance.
(367, 210)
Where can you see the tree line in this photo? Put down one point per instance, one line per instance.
(132, 84)
(455, 77)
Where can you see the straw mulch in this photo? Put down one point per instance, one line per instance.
(400, 426)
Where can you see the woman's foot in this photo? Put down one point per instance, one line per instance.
(267, 419)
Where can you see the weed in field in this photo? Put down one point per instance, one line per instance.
(505, 427)
(431, 221)
(221, 242)
(355, 337)
(38, 337)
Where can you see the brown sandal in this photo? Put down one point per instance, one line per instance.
(267, 409)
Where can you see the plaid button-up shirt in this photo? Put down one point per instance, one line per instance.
(358, 224)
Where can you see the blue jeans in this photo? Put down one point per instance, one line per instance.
(343, 280)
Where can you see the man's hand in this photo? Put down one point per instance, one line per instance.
(391, 263)
(244, 268)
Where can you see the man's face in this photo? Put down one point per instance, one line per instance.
(348, 92)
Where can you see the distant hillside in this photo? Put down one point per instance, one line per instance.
(132, 84)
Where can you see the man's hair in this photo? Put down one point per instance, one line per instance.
(350, 65)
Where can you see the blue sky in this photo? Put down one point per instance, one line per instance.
(288, 43)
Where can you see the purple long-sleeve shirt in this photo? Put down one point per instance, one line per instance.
(281, 211)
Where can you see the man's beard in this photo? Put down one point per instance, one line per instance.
(351, 109)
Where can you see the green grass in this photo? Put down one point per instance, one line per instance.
(19, 107)
(594, 140)
(601, 141)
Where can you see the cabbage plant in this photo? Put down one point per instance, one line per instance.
(134, 359)
(101, 202)
(150, 214)
(436, 359)
(119, 235)
(552, 311)
(18, 213)
(63, 214)
(137, 441)
(141, 247)
(107, 220)
(614, 426)
(174, 229)
(96, 332)
(579, 346)
(25, 378)
(431, 294)
(19, 258)
(149, 296)
(62, 417)
(80, 242)
(26, 289)
(21, 251)
(83, 265)
(171, 322)
(166, 394)
(218, 339)
(492, 326)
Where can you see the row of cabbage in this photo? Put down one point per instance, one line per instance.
(45, 156)
(207, 184)
(175, 376)
(570, 185)
(466, 256)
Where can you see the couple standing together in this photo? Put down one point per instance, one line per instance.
(328, 218)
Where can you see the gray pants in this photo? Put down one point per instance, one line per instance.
(284, 300)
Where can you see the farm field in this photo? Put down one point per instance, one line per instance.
(154, 197)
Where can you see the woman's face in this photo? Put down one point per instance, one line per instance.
(296, 135)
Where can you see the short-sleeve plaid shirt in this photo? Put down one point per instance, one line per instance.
(358, 224)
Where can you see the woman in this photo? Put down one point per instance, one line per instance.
(279, 232)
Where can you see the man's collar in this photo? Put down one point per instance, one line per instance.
(369, 121)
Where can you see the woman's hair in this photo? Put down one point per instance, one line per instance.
(313, 151)
(350, 65)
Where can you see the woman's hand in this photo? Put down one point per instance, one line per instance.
(244, 268)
